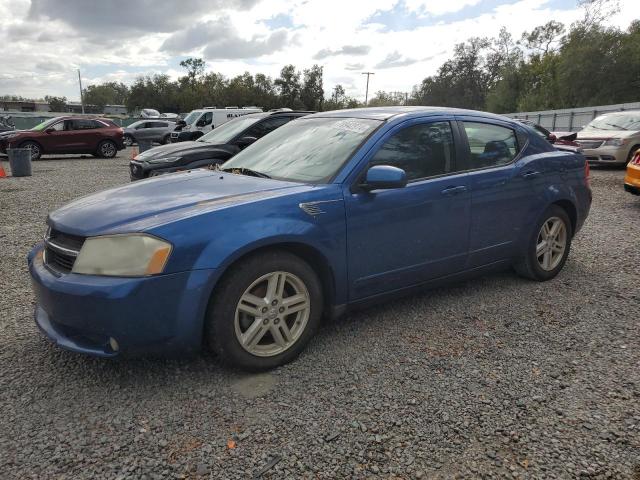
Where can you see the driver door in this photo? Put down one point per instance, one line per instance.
(402, 237)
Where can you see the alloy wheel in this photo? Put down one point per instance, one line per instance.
(107, 149)
(551, 244)
(272, 314)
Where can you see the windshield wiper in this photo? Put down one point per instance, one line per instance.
(245, 171)
(616, 126)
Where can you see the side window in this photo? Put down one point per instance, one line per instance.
(158, 124)
(58, 127)
(262, 128)
(490, 145)
(422, 151)
(207, 118)
(81, 124)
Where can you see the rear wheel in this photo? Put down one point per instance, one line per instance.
(548, 246)
(265, 311)
(36, 149)
(107, 149)
(128, 140)
(166, 139)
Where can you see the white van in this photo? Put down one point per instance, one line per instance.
(203, 120)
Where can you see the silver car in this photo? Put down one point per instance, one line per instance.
(158, 131)
(611, 139)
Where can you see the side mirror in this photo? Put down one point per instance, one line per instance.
(243, 142)
(50, 130)
(201, 123)
(384, 177)
(181, 123)
(552, 138)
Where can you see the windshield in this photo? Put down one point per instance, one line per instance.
(225, 132)
(617, 121)
(189, 119)
(41, 126)
(309, 150)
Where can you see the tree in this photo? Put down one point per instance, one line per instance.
(544, 39)
(312, 94)
(56, 104)
(109, 93)
(288, 84)
(194, 66)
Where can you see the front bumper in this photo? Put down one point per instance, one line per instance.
(632, 179)
(181, 136)
(83, 313)
(140, 170)
(606, 155)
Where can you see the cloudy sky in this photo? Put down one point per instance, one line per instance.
(402, 41)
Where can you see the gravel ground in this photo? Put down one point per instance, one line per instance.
(492, 378)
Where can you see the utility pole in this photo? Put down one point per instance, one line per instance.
(80, 82)
(366, 95)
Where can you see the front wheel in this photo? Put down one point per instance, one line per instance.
(36, 150)
(548, 246)
(127, 140)
(107, 149)
(264, 312)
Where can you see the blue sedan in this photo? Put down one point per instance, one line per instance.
(329, 212)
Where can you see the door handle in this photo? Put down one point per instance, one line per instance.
(454, 190)
(530, 174)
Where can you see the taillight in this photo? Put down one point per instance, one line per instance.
(587, 174)
(636, 158)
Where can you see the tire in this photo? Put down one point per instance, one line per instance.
(107, 149)
(166, 139)
(230, 321)
(128, 140)
(36, 149)
(546, 266)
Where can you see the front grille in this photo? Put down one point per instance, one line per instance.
(61, 250)
(590, 143)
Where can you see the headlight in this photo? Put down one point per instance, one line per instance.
(163, 160)
(134, 255)
(614, 142)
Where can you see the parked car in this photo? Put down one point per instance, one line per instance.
(149, 113)
(170, 116)
(611, 139)
(6, 123)
(560, 140)
(632, 178)
(62, 135)
(158, 131)
(202, 121)
(215, 147)
(332, 211)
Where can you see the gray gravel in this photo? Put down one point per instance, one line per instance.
(492, 378)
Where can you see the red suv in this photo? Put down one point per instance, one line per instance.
(97, 136)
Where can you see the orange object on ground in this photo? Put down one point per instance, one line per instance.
(134, 152)
(632, 178)
(3, 174)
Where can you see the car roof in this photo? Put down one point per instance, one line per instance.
(386, 113)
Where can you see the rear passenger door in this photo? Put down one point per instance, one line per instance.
(502, 194)
(83, 136)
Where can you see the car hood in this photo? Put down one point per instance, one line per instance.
(145, 204)
(180, 149)
(594, 133)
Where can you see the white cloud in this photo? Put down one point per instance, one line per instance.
(44, 48)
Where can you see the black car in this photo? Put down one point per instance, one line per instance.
(215, 147)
